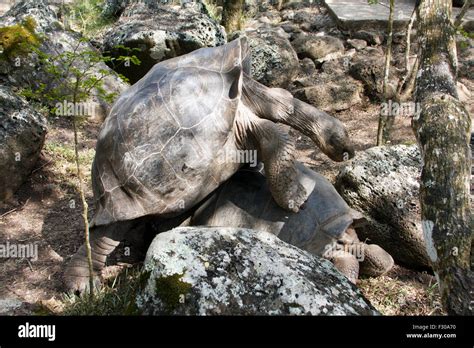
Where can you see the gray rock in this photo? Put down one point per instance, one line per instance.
(367, 66)
(466, 63)
(251, 7)
(372, 38)
(290, 28)
(321, 22)
(337, 66)
(382, 183)
(310, 18)
(358, 44)
(235, 271)
(160, 32)
(22, 134)
(9, 305)
(307, 66)
(317, 47)
(330, 90)
(113, 8)
(334, 95)
(56, 40)
(274, 62)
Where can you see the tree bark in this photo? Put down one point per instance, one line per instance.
(232, 14)
(443, 131)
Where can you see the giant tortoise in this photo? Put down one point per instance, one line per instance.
(166, 142)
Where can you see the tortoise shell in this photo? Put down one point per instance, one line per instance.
(158, 149)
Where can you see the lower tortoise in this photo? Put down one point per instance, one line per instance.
(325, 227)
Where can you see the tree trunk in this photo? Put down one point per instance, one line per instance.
(384, 122)
(232, 14)
(443, 132)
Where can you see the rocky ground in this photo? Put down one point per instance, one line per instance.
(298, 48)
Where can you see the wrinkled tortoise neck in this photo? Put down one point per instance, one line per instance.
(279, 105)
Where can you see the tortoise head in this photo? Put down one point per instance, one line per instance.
(327, 132)
(336, 143)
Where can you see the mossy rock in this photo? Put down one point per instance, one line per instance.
(171, 290)
(19, 39)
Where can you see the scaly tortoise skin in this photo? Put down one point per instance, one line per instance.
(162, 148)
(324, 227)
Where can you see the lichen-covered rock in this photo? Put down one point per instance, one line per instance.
(317, 47)
(382, 183)
(22, 133)
(160, 32)
(235, 271)
(22, 71)
(274, 62)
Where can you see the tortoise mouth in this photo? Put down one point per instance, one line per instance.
(340, 155)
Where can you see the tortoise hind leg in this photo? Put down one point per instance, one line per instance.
(104, 240)
(277, 153)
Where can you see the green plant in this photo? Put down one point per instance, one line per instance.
(86, 16)
(466, 35)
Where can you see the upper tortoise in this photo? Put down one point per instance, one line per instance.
(165, 144)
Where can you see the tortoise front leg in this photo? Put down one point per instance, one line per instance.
(277, 152)
(347, 264)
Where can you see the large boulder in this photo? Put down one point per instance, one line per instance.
(235, 271)
(27, 70)
(22, 134)
(274, 61)
(159, 32)
(382, 183)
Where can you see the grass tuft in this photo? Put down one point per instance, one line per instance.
(116, 297)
